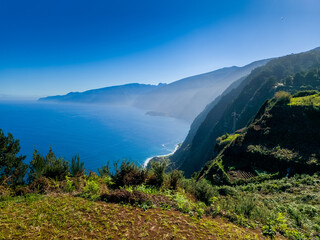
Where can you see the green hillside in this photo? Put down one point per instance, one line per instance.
(283, 138)
(237, 108)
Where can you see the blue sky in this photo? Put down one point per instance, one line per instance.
(54, 47)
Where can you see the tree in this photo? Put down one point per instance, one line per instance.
(77, 167)
(12, 168)
(37, 166)
(49, 166)
(158, 168)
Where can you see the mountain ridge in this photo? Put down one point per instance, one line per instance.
(245, 101)
(183, 99)
(121, 94)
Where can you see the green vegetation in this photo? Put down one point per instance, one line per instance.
(288, 206)
(237, 107)
(84, 206)
(309, 100)
(274, 143)
(77, 167)
(66, 217)
(282, 97)
(12, 168)
(225, 139)
(49, 166)
(264, 183)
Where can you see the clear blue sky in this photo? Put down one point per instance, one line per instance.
(54, 47)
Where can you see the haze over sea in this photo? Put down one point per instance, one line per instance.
(96, 133)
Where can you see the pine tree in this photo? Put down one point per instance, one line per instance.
(12, 168)
(77, 167)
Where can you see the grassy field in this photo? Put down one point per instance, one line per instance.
(62, 216)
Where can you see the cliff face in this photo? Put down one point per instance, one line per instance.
(237, 108)
(284, 137)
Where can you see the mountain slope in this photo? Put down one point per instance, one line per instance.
(284, 137)
(183, 99)
(187, 97)
(245, 100)
(123, 94)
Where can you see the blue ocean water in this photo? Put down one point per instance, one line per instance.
(96, 133)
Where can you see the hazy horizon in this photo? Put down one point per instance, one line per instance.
(55, 48)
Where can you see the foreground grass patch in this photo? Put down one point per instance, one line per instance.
(67, 217)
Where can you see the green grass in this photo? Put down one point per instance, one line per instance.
(288, 206)
(306, 100)
(66, 217)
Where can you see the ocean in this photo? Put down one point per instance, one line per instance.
(97, 133)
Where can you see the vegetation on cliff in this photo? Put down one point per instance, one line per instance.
(238, 107)
(283, 138)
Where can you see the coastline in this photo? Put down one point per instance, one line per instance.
(146, 162)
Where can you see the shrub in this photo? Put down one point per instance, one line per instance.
(158, 169)
(295, 215)
(128, 174)
(49, 166)
(124, 196)
(204, 191)
(69, 187)
(282, 97)
(227, 190)
(77, 167)
(174, 178)
(245, 205)
(12, 168)
(5, 192)
(42, 185)
(104, 170)
(269, 230)
(146, 189)
(183, 203)
(91, 189)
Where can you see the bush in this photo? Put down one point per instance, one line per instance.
(77, 167)
(124, 196)
(128, 174)
(227, 190)
(69, 187)
(91, 189)
(5, 193)
(245, 205)
(49, 166)
(282, 97)
(204, 191)
(183, 203)
(158, 169)
(42, 185)
(12, 168)
(104, 170)
(174, 178)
